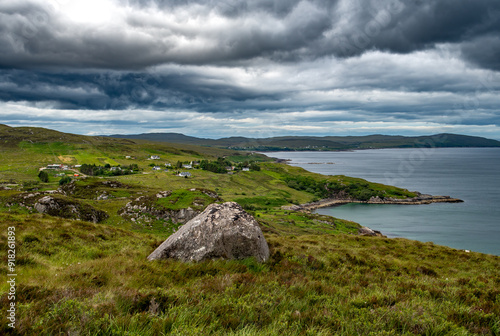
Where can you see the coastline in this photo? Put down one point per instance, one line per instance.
(330, 202)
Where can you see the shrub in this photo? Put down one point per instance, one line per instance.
(43, 176)
(65, 180)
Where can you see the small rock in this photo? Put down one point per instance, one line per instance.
(366, 231)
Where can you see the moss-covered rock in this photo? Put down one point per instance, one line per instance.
(96, 189)
(177, 206)
(66, 208)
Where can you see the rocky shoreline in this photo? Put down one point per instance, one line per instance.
(328, 202)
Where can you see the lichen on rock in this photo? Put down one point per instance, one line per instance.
(65, 208)
(222, 231)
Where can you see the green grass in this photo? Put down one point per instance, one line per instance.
(77, 277)
(182, 199)
(261, 202)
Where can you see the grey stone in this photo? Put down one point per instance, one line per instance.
(144, 209)
(221, 231)
(67, 208)
(366, 231)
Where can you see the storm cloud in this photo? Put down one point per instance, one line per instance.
(325, 66)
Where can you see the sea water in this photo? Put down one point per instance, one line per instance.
(471, 174)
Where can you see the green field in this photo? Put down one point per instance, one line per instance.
(80, 278)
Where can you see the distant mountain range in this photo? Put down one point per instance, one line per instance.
(326, 143)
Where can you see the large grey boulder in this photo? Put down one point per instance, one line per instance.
(221, 231)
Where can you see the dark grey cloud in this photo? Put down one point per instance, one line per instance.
(220, 32)
(483, 51)
(125, 90)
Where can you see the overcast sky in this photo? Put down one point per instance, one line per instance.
(255, 68)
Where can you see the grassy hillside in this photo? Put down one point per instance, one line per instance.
(91, 279)
(25, 149)
(308, 143)
(80, 278)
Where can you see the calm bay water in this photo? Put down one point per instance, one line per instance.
(471, 174)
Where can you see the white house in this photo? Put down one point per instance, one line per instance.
(54, 166)
(187, 166)
(184, 174)
(155, 157)
(246, 169)
(156, 168)
(168, 164)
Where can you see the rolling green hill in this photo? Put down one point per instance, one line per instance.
(25, 149)
(322, 143)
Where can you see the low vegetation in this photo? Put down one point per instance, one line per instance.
(80, 278)
(108, 170)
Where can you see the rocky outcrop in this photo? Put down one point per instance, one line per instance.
(93, 189)
(142, 213)
(64, 208)
(221, 231)
(146, 209)
(366, 231)
(419, 199)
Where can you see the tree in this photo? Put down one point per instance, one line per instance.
(65, 180)
(255, 167)
(43, 176)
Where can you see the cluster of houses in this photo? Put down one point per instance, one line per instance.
(232, 168)
(169, 165)
(183, 174)
(58, 166)
(190, 165)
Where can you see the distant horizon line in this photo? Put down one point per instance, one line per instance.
(256, 137)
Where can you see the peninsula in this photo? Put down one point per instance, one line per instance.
(417, 200)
